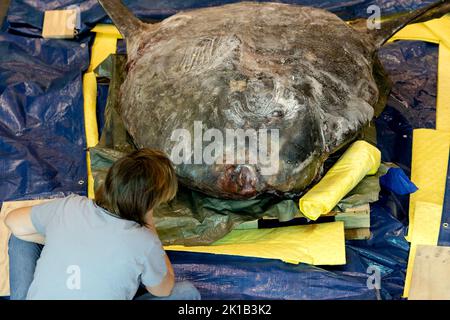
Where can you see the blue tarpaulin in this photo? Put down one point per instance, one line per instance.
(444, 234)
(396, 181)
(42, 147)
(42, 137)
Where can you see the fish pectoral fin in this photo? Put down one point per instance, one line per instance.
(127, 23)
(391, 25)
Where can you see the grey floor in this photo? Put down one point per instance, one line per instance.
(4, 4)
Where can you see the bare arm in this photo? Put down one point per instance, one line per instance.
(165, 287)
(19, 222)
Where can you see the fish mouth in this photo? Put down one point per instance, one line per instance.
(238, 180)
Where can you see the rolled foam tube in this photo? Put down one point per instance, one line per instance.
(360, 159)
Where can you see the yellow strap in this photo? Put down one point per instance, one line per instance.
(107, 29)
(430, 147)
(105, 43)
(435, 31)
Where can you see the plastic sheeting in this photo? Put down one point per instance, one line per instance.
(435, 31)
(412, 67)
(26, 16)
(42, 80)
(41, 117)
(397, 181)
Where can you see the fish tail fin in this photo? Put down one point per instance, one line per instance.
(392, 26)
(127, 23)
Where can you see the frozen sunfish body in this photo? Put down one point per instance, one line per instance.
(293, 83)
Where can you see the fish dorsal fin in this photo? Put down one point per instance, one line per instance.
(127, 23)
(391, 26)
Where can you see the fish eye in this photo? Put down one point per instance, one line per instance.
(277, 114)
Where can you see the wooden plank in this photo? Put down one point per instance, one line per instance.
(356, 222)
(355, 218)
(4, 5)
(430, 279)
(357, 234)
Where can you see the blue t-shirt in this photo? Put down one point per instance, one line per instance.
(90, 254)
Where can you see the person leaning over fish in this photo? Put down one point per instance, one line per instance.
(102, 249)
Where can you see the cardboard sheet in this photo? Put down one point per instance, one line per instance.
(4, 237)
(427, 221)
(430, 280)
(59, 24)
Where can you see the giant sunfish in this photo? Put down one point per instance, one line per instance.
(251, 98)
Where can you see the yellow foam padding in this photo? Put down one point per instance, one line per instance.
(319, 244)
(430, 155)
(105, 43)
(90, 103)
(435, 31)
(90, 122)
(360, 159)
(427, 219)
(108, 29)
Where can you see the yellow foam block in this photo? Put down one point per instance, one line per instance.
(320, 244)
(360, 159)
(105, 43)
(430, 157)
(427, 221)
(416, 32)
(90, 104)
(4, 237)
(59, 24)
(90, 121)
(108, 29)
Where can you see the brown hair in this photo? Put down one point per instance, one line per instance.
(137, 183)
